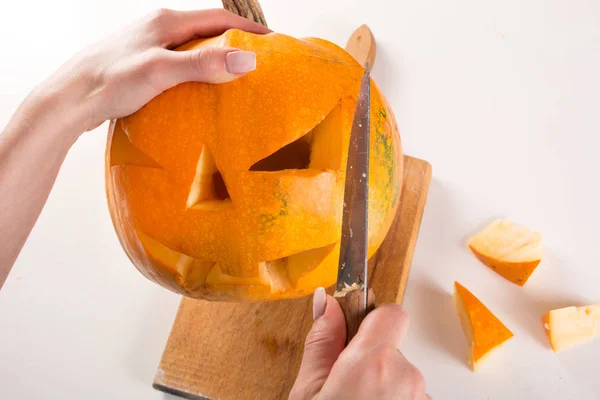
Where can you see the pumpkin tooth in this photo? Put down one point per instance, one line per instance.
(278, 275)
(216, 277)
(263, 274)
(194, 274)
(171, 260)
(189, 272)
(296, 263)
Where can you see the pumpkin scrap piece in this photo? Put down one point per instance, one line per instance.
(483, 330)
(511, 250)
(570, 326)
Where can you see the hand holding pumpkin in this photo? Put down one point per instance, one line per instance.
(370, 367)
(108, 80)
(122, 73)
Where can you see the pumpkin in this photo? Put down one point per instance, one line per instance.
(234, 192)
(512, 250)
(483, 330)
(570, 326)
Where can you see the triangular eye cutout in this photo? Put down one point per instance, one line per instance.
(295, 155)
(123, 152)
(208, 189)
(320, 148)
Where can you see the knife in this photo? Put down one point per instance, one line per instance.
(352, 291)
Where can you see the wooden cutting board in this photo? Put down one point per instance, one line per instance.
(226, 351)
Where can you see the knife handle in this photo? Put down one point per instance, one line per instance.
(351, 302)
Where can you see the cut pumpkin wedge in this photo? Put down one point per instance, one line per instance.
(189, 272)
(484, 331)
(511, 250)
(570, 326)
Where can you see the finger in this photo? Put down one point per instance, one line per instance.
(386, 324)
(176, 27)
(324, 343)
(412, 383)
(379, 372)
(210, 65)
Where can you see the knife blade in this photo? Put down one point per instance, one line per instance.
(352, 291)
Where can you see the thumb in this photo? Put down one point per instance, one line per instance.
(323, 345)
(209, 64)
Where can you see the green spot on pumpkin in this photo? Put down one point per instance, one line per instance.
(384, 152)
(384, 149)
(267, 220)
(283, 198)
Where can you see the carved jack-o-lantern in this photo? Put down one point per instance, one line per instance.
(235, 191)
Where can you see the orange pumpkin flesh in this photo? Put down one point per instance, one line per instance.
(484, 331)
(235, 191)
(570, 326)
(512, 250)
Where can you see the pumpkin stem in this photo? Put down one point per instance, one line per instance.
(246, 8)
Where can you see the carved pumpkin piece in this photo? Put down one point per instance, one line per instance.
(235, 191)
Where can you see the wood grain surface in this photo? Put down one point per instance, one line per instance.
(353, 306)
(251, 351)
(361, 44)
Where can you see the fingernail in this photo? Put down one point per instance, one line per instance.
(319, 303)
(240, 62)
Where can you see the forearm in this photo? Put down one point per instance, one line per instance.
(32, 148)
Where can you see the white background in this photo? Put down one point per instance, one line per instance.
(501, 96)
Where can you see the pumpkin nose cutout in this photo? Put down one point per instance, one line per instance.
(208, 190)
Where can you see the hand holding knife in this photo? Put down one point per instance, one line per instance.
(332, 368)
(372, 367)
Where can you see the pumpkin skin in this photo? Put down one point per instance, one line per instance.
(234, 192)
